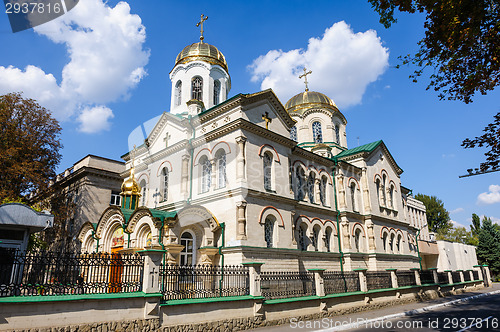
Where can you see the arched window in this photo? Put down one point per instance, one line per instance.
(197, 88)
(293, 133)
(384, 200)
(187, 254)
(317, 132)
(353, 197)
(322, 190)
(328, 238)
(143, 192)
(391, 243)
(216, 92)
(268, 166)
(206, 174)
(221, 168)
(164, 184)
(269, 231)
(357, 240)
(391, 197)
(300, 183)
(384, 241)
(337, 134)
(379, 191)
(302, 237)
(310, 187)
(315, 237)
(398, 244)
(178, 93)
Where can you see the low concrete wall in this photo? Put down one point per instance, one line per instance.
(141, 313)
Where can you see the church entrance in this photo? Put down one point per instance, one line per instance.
(116, 264)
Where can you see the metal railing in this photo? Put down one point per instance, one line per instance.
(455, 277)
(406, 278)
(278, 285)
(476, 274)
(466, 276)
(341, 282)
(203, 281)
(50, 273)
(443, 278)
(378, 279)
(426, 277)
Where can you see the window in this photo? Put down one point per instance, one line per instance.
(391, 243)
(357, 240)
(301, 234)
(187, 254)
(384, 241)
(315, 237)
(269, 231)
(384, 179)
(197, 88)
(206, 174)
(178, 93)
(300, 183)
(391, 197)
(268, 163)
(143, 192)
(115, 198)
(317, 133)
(398, 244)
(293, 133)
(216, 92)
(328, 238)
(164, 184)
(221, 168)
(353, 197)
(337, 134)
(310, 187)
(322, 190)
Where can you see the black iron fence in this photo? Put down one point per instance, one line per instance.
(476, 274)
(203, 281)
(278, 285)
(51, 273)
(341, 282)
(455, 276)
(426, 277)
(378, 279)
(443, 278)
(406, 278)
(467, 276)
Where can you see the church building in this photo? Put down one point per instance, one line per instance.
(224, 181)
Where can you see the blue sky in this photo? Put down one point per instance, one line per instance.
(103, 70)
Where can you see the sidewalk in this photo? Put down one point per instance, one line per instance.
(373, 314)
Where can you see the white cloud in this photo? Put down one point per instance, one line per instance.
(457, 210)
(457, 224)
(495, 220)
(106, 60)
(491, 197)
(95, 119)
(343, 64)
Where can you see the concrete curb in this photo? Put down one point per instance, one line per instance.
(405, 313)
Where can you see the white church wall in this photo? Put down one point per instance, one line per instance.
(254, 113)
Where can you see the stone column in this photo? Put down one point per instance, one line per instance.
(362, 279)
(207, 255)
(319, 281)
(317, 198)
(151, 280)
(345, 234)
(435, 275)
(185, 175)
(242, 221)
(471, 275)
(174, 250)
(450, 276)
(394, 278)
(254, 274)
(240, 159)
(366, 192)
(371, 234)
(341, 189)
(461, 275)
(214, 174)
(487, 276)
(418, 281)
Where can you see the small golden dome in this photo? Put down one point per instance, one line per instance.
(201, 51)
(130, 186)
(309, 99)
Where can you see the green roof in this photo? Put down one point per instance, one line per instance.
(162, 215)
(363, 148)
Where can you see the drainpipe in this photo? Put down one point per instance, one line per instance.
(338, 224)
(160, 240)
(190, 142)
(223, 226)
(97, 239)
(418, 249)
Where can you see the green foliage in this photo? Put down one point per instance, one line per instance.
(490, 138)
(475, 228)
(461, 44)
(488, 250)
(438, 218)
(458, 234)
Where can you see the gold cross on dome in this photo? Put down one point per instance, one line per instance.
(200, 23)
(305, 77)
(266, 118)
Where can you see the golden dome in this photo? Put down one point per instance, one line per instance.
(309, 99)
(201, 51)
(130, 186)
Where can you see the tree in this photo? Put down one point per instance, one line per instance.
(29, 146)
(490, 138)
(438, 218)
(458, 234)
(461, 44)
(488, 250)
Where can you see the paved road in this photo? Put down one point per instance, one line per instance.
(441, 319)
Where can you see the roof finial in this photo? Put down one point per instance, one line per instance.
(305, 77)
(203, 19)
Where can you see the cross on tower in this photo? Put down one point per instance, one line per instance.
(167, 137)
(266, 118)
(200, 23)
(305, 77)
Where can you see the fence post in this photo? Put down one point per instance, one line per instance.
(471, 274)
(450, 277)
(435, 274)
(462, 279)
(487, 275)
(318, 281)
(254, 275)
(394, 277)
(151, 280)
(416, 270)
(362, 279)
